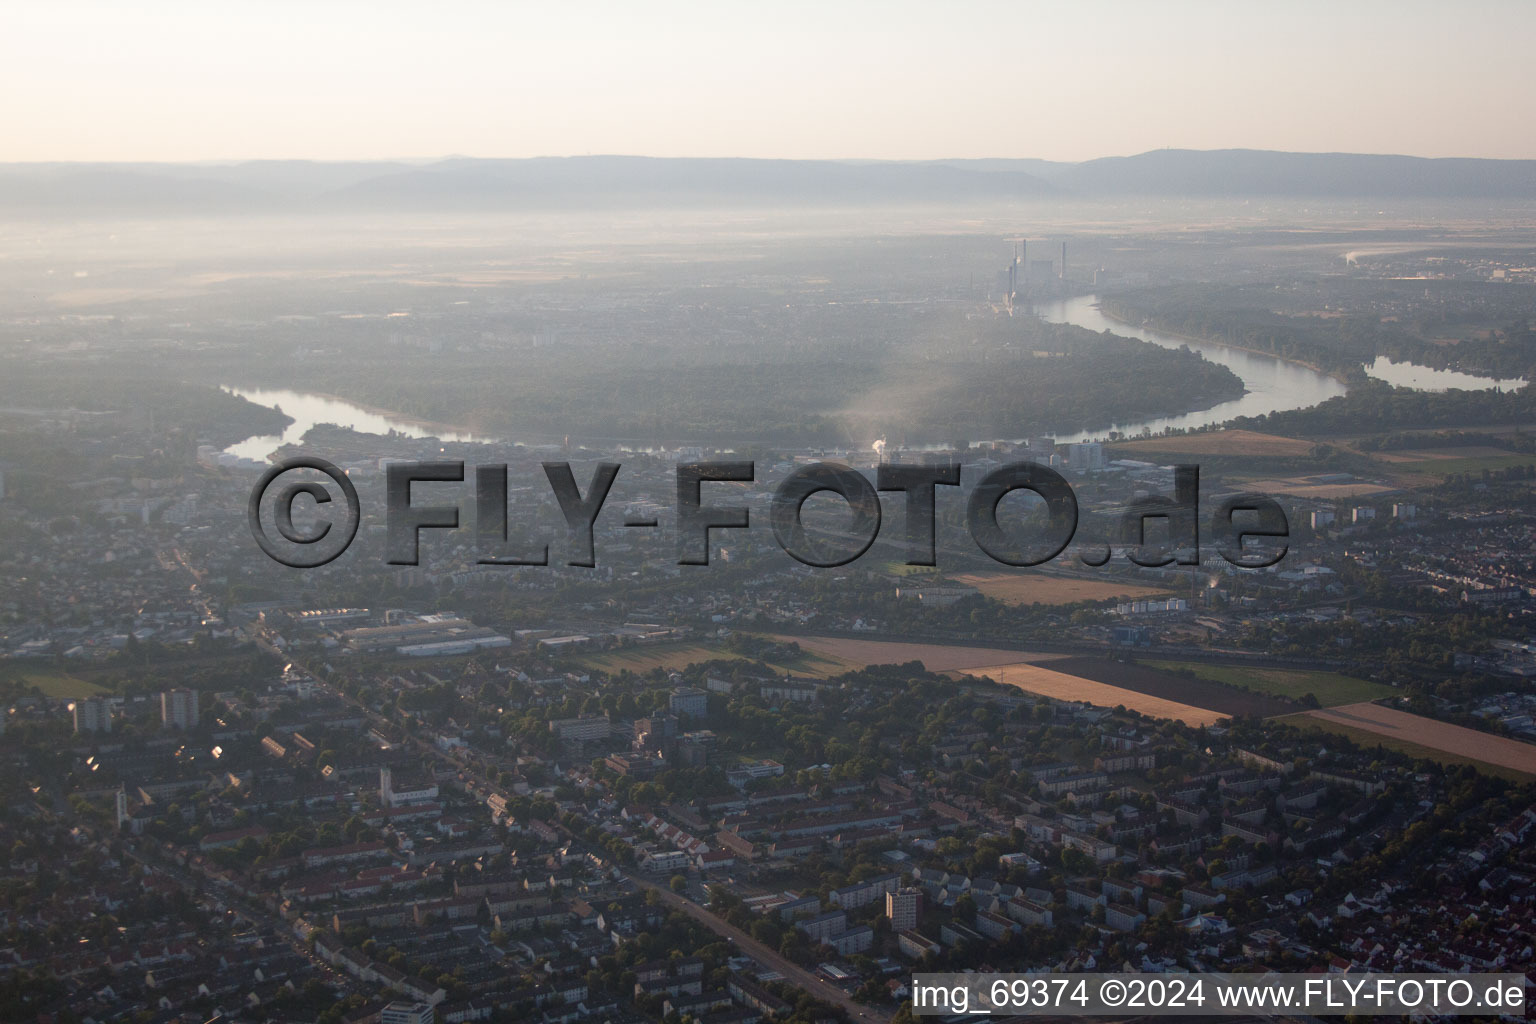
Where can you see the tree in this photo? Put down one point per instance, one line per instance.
(965, 908)
(678, 884)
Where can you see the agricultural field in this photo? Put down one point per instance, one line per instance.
(1048, 682)
(935, 657)
(1065, 677)
(1311, 487)
(1215, 697)
(1218, 443)
(904, 570)
(1330, 688)
(1019, 588)
(1455, 454)
(681, 655)
(1418, 736)
(1428, 466)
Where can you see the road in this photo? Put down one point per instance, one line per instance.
(205, 890)
(793, 973)
(214, 897)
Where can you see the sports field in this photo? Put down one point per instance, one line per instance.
(53, 683)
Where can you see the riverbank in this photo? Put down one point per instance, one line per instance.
(1194, 407)
(429, 428)
(1337, 375)
(1271, 384)
(1265, 384)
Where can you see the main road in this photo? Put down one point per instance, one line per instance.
(796, 975)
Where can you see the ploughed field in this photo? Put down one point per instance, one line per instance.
(1033, 588)
(1066, 677)
(1217, 442)
(1045, 680)
(935, 657)
(1410, 730)
(1196, 699)
(1200, 693)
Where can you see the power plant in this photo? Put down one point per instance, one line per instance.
(1027, 279)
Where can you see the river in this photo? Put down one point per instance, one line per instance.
(309, 409)
(1272, 385)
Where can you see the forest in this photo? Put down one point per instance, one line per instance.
(839, 379)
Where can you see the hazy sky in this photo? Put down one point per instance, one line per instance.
(774, 78)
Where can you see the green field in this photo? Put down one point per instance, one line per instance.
(903, 569)
(1330, 688)
(681, 655)
(1449, 467)
(1367, 740)
(53, 683)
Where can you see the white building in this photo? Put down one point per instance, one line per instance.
(824, 926)
(394, 795)
(663, 861)
(687, 702)
(1085, 457)
(861, 894)
(594, 727)
(408, 1013)
(904, 907)
(853, 941)
(1166, 606)
(179, 708)
(92, 715)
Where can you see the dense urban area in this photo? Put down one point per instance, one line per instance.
(758, 790)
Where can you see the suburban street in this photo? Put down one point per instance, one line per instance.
(793, 973)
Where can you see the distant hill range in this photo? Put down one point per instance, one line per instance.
(608, 181)
(1260, 172)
